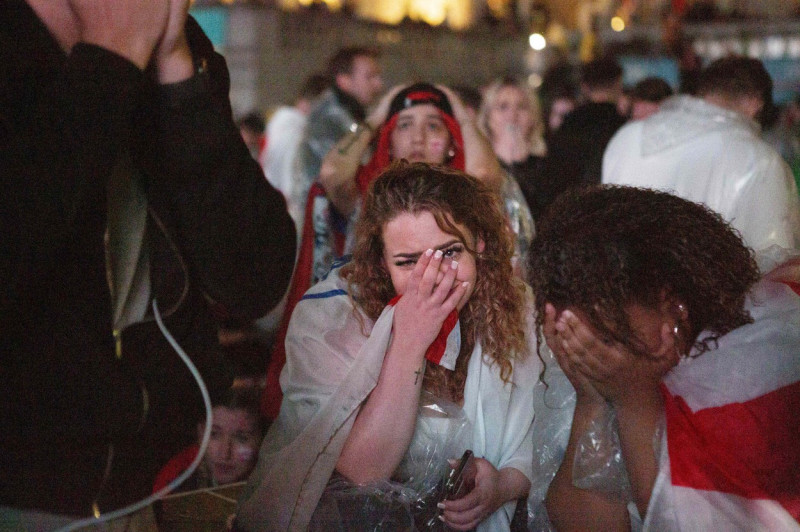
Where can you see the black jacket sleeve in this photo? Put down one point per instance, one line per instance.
(231, 224)
(62, 121)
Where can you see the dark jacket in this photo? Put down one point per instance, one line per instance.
(221, 247)
(575, 150)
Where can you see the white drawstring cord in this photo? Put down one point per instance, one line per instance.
(93, 521)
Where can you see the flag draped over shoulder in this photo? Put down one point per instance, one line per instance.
(731, 453)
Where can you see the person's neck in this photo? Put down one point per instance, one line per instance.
(60, 21)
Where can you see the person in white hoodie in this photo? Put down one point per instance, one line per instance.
(284, 135)
(708, 149)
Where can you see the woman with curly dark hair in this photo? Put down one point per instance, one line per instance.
(681, 363)
(427, 314)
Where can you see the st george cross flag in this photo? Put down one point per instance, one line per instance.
(730, 459)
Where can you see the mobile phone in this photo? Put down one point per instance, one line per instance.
(461, 479)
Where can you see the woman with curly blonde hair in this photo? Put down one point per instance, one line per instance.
(428, 308)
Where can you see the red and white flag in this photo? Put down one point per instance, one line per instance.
(732, 454)
(445, 348)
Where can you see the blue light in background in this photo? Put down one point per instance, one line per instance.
(636, 68)
(214, 21)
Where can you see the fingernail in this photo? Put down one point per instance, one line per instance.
(429, 253)
(454, 264)
(438, 254)
(440, 505)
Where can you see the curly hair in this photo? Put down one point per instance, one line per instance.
(600, 249)
(494, 314)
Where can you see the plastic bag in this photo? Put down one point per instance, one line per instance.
(599, 464)
(408, 501)
(554, 404)
(378, 506)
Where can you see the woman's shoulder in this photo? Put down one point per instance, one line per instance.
(330, 294)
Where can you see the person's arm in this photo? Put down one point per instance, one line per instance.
(340, 164)
(479, 158)
(232, 225)
(570, 507)
(63, 121)
(385, 424)
(630, 384)
(493, 488)
(173, 57)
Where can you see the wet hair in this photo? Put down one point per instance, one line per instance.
(599, 249)
(536, 135)
(494, 314)
(342, 61)
(736, 76)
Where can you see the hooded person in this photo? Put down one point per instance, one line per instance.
(419, 94)
(419, 122)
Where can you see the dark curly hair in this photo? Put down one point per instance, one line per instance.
(602, 248)
(495, 313)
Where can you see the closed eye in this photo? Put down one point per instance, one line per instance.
(407, 262)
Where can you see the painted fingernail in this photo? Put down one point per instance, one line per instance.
(429, 253)
(438, 254)
(454, 264)
(440, 505)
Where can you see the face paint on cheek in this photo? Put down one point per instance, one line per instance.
(243, 453)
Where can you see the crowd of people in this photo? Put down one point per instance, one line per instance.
(581, 302)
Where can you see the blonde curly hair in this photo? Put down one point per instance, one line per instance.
(495, 313)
